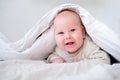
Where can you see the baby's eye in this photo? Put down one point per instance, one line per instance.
(72, 30)
(61, 33)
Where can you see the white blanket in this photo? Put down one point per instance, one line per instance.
(38, 70)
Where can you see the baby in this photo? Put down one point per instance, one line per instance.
(73, 44)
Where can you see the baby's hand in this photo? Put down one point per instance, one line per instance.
(58, 60)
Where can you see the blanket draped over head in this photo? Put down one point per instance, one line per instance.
(39, 41)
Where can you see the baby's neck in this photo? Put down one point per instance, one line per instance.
(74, 53)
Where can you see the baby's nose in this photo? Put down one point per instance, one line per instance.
(67, 35)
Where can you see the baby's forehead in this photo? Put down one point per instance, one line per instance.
(66, 15)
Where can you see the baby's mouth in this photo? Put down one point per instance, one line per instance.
(69, 43)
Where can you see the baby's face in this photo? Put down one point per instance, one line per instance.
(69, 32)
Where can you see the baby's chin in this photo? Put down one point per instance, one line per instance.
(72, 51)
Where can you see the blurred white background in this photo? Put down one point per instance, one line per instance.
(18, 16)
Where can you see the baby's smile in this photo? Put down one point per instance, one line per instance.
(69, 43)
(71, 46)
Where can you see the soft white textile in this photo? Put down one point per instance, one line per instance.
(38, 70)
(39, 41)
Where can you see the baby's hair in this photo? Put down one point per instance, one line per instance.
(66, 10)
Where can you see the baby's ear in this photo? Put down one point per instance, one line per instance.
(83, 32)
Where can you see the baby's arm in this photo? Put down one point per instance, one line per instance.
(54, 58)
(98, 56)
(94, 54)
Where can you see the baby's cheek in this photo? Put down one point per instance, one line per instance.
(59, 41)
